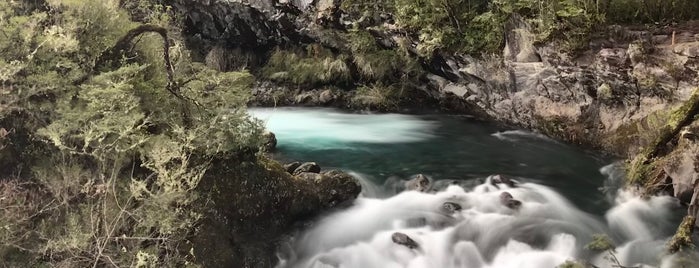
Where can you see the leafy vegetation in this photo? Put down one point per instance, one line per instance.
(476, 26)
(100, 163)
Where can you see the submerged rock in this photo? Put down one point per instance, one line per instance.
(311, 167)
(502, 179)
(404, 240)
(507, 200)
(451, 207)
(418, 183)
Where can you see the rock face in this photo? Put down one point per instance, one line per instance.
(245, 218)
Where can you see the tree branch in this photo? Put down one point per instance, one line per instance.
(123, 45)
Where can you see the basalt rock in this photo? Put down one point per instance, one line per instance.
(451, 207)
(308, 167)
(502, 179)
(404, 240)
(252, 205)
(507, 200)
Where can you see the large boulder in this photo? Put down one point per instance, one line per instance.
(252, 205)
(308, 167)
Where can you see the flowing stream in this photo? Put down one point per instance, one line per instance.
(497, 198)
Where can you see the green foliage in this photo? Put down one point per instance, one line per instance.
(378, 96)
(377, 64)
(683, 237)
(570, 21)
(648, 11)
(315, 66)
(115, 158)
(455, 25)
(600, 242)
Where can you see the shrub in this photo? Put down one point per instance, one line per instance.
(114, 152)
(315, 66)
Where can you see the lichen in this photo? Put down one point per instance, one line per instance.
(683, 237)
(655, 131)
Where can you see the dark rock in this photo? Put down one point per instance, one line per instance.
(309, 176)
(254, 205)
(404, 240)
(451, 207)
(291, 167)
(507, 200)
(270, 142)
(418, 183)
(502, 179)
(337, 187)
(311, 167)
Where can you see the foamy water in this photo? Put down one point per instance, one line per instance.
(545, 231)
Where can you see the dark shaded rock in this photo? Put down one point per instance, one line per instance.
(451, 207)
(254, 204)
(311, 167)
(404, 240)
(418, 183)
(270, 142)
(291, 167)
(339, 186)
(507, 200)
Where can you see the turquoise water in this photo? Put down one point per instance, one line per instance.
(567, 195)
(441, 146)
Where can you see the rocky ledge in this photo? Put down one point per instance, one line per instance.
(247, 218)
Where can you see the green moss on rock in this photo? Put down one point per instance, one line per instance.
(683, 237)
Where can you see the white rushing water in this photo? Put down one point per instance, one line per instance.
(545, 231)
(474, 223)
(328, 128)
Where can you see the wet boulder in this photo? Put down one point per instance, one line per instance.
(291, 167)
(404, 240)
(450, 207)
(270, 141)
(337, 187)
(502, 179)
(507, 200)
(418, 183)
(311, 167)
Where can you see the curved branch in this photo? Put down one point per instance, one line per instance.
(123, 45)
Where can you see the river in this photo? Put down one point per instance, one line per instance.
(566, 196)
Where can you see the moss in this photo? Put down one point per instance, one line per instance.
(604, 92)
(600, 242)
(571, 264)
(655, 131)
(316, 66)
(683, 237)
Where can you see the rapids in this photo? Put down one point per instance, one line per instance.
(566, 196)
